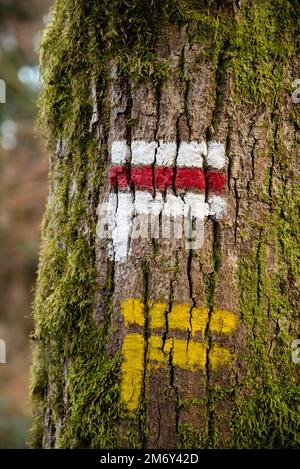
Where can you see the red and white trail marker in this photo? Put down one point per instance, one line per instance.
(152, 183)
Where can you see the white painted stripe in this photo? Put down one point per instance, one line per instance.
(120, 222)
(173, 206)
(166, 154)
(216, 155)
(143, 153)
(183, 211)
(146, 218)
(195, 206)
(146, 204)
(107, 217)
(173, 210)
(217, 206)
(120, 152)
(191, 154)
(115, 224)
(122, 231)
(111, 210)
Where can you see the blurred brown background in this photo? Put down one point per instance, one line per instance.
(23, 193)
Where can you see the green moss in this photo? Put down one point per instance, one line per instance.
(73, 372)
(261, 48)
(191, 437)
(267, 403)
(268, 419)
(83, 36)
(38, 391)
(93, 400)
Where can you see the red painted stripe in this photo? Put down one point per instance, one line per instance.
(163, 177)
(142, 177)
(216, 181)
(119, 176)
(190, 178)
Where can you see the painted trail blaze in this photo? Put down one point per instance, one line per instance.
(190, 356)
(159, 180)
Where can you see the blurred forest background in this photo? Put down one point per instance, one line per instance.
(23, 193)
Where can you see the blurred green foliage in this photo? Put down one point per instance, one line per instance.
(17, 8)
(13, 427)
(20, 99)
(22, 182)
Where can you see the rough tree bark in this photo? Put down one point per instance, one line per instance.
(174, 107)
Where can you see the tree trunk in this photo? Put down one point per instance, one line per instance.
(166, 302)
